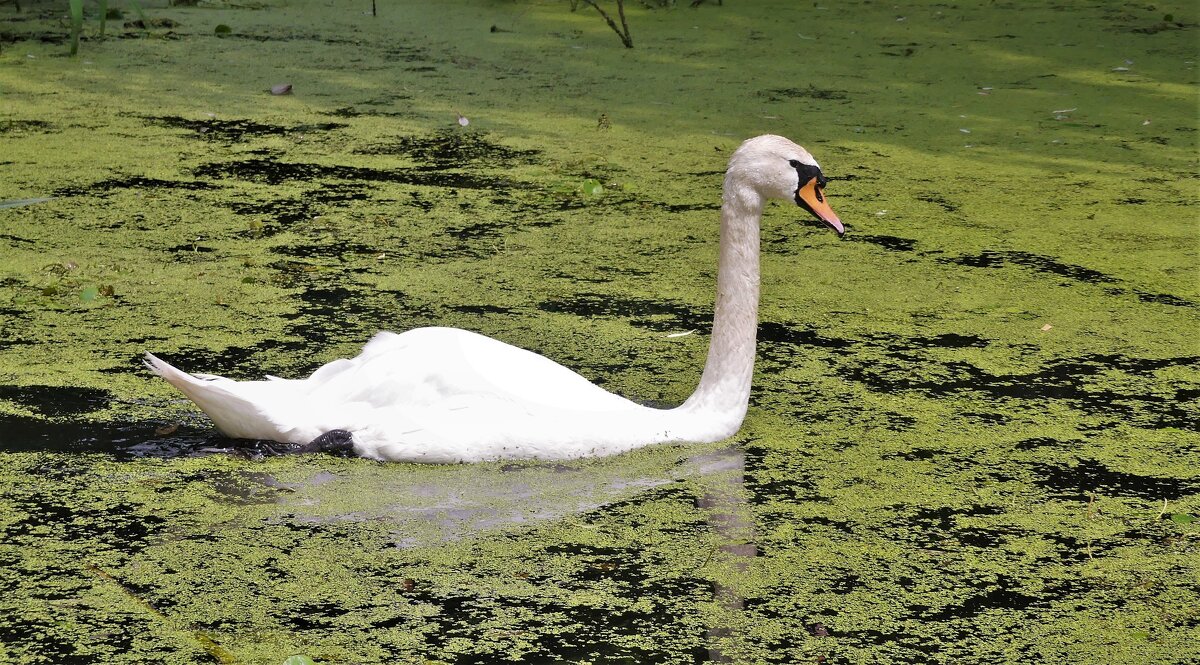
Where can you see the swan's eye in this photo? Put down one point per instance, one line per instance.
(806, 172)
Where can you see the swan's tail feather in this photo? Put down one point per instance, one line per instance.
(233, 414)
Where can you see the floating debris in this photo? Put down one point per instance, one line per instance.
(281, 89)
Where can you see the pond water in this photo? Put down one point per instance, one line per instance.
(973, 432)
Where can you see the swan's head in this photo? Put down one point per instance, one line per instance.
(779, 169)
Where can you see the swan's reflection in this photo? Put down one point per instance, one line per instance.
(730, 517)
(428, 505)
(432, 504)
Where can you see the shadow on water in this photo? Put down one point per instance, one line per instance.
(121, 441)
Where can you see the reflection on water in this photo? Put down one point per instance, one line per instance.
(730, 517)
(432, 504)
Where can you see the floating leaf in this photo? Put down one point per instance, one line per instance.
(591, 187)
(281, 89)
(89, 293)
(299, 660)
(1182, 518)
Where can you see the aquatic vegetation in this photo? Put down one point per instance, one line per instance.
(973, 429)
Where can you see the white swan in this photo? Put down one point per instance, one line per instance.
(448, 395)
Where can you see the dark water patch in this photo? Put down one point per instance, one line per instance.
(1163, 299)
(133, 182)
(986, 418)
(16, 239)
(236, 130)
(767, 482)
(57, 401)
(770, 332)
(399, 53)
(898, 422)
(1062, 379)
(11, 126)
(1091, 477)
(844, 583)
(915, 454)
(765, 488)
(271, 171)
(942, 341)
(1000, 597)
(1041, 442)
(827, 523)
(234, 361)
(917, 648)
(44, 638)
(937, 528)
(190, 248)
(123, 441)
(891, 243)
(279, 214)
(810, 92)
(312, 616)
(479, 230)
(568, 632)
(339, 250)
(1072, 550)
(687, 207)
(944, 517)
(1036, 262)
(453, 150)
(988, 539)
(938, 200)
(44, 508)
(482, 309)
(660, 316)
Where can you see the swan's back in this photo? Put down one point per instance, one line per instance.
(426, 366)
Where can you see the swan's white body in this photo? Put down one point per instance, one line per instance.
(449, 395)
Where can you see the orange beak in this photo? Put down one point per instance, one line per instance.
(812, 198)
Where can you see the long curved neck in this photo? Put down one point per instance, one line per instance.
(724, 390)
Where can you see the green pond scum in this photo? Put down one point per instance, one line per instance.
(973, 434)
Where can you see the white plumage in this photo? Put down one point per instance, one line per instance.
(449, 395)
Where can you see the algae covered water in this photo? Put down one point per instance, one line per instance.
(972, 436)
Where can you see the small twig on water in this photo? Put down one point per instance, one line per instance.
(218, 652)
